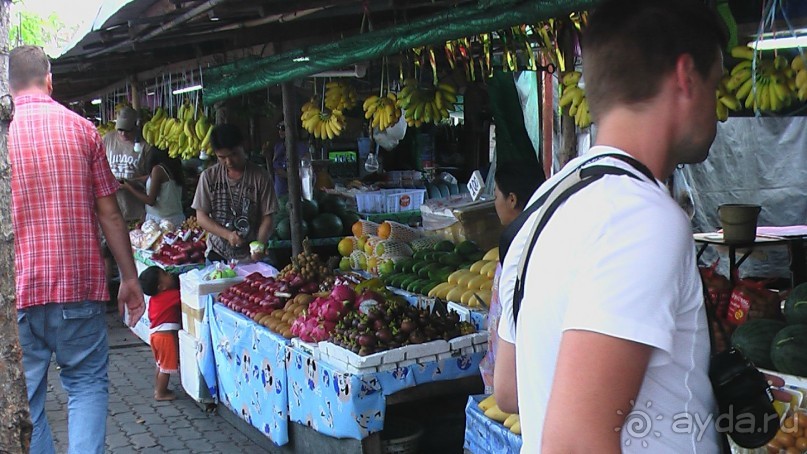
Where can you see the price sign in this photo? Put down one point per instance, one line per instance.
(476, 185)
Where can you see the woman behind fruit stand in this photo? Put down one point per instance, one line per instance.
(163, 196)
(515, 183)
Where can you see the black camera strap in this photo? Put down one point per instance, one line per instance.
(553, 198)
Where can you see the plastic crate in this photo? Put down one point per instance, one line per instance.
(390, 200)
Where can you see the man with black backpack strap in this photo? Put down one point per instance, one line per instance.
(611, 330)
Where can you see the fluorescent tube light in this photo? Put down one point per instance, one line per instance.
(187, 89)
(780, 40)
(96, 101)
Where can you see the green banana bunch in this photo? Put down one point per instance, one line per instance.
(574, 98)
(382, 110)
(426, 104)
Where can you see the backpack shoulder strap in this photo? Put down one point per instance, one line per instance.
(573, 183)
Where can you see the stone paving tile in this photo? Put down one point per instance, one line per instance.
(139, 424)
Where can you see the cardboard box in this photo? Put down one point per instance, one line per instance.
(192, 380)
(192, 319)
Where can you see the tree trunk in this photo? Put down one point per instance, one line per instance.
(15, 434)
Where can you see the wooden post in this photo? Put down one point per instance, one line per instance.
(547, 119)
(293, 167)
(15, 436)
(135, 93)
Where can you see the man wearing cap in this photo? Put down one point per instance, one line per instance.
(127, 161)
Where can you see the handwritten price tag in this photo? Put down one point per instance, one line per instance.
(476, 185)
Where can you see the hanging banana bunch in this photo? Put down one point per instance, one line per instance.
(799, 67)
(574, 98)
(184, 136)
(340, 95)
(426, 104)
(322, 124)
(382, 110)
(762, 85)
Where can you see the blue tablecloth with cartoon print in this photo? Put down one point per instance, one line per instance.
(246, 364)
(484, 435)
(344, 405)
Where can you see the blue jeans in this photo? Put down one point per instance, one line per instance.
(77, 334)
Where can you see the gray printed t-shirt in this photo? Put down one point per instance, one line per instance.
(126, 163)
(225, 200)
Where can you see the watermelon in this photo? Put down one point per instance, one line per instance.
(283, 229)
(789, 350)
(326, 225)
(796, 305)
(332, 204)
(754, 339)
(310, 210)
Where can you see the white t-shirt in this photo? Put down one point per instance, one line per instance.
(618, 258)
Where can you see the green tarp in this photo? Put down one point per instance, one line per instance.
(234, 79)
(512, 142)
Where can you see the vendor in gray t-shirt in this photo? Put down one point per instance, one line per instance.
(234, 200)
(127, 161)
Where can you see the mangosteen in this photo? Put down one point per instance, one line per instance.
(430, 332)
(362, 326)
(416, 337)
(367, 340)
(453, 317)
(384, 334)
(364, 351)
(408, 325)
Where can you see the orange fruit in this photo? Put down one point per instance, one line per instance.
(384, 230)
(356, 229)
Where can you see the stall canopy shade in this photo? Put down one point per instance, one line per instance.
(512, 142)
(245, 76)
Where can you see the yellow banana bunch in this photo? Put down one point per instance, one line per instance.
(182, 136)
(340, 95)
(574, 98)
(767, 85)
(799, 68)
(382, 110)
(321, 124)
(426, 104)
(104, 128)
(726, 100)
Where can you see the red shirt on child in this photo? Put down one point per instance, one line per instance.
(165, 312)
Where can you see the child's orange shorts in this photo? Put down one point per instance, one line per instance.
(165, 346)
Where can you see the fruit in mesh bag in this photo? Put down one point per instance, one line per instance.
(423, 243)
(393, 248)
(370, 244)
(358, 260)
(368, 228)
(401, 232)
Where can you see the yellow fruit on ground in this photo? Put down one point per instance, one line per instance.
(516, 429)
(477, 282)
(486, 403)
(345, 246)
(454, 277)
(466, 278)
(489, 270)
(488, 285)
(477, 266)
(495, 413)
(492, 254)
(511, 420)
(455, 294)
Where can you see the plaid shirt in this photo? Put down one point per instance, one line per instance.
(58, 170)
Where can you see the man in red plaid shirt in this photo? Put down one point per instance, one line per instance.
(61, 190)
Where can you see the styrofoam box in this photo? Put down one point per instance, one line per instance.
(193, 289)
(192, 380)
(390, 200)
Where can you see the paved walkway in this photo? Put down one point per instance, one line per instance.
(139, 424)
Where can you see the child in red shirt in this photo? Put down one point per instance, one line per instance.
(165, 315)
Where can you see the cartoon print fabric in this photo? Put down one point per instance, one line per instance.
(344, 405)
(250, 363)
(483, 434)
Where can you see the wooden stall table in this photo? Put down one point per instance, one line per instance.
(792, 239)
